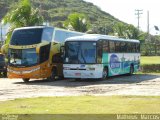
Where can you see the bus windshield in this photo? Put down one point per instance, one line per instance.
(23, 57)
(2, 58)
(80, 52)
(26, 36)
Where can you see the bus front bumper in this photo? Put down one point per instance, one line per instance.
(34, 73)
(82, 74)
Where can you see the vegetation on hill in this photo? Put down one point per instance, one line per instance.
(57, 11)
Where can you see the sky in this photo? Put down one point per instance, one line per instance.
(124, 10)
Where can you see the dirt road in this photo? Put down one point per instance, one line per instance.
(120, 85)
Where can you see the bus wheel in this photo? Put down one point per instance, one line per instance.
(105, 73)
(5, 74)
(25, 79)
(131, 70)
(53, 75)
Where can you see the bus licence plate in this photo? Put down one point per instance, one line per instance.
(78, 74)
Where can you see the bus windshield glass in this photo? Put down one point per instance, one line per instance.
(26, 36)
(23, 57)
(80, 52)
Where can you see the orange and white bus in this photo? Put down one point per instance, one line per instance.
(34, 52)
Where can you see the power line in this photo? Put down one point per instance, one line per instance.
(138, 13)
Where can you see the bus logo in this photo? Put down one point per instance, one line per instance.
(115, 65)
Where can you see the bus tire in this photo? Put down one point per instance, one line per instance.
(105, 73)
(5, 74)
(25, 79)
(131, 70)
(53, 74)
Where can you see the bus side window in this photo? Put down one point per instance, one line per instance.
(128, 47)
(99, 51)
(60, 36)
(44, 53)
(47, 34)
(134, 47)
(105, 46)
(112, 46)
(137, 47)
(117, 47)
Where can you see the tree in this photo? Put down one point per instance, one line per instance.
(22, 15)
(127, 31)
(132, 32)
(77, 22)
(119, 30)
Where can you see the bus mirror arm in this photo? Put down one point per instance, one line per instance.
(38, 49)
(62, 50)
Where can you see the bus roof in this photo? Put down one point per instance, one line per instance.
(96, 37)
(32, 27)
(43, 26)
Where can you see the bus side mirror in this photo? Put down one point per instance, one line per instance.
(4, 49)
(62, 51)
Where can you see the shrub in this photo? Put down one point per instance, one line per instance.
(150, 68)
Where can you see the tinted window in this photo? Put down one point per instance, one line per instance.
(26, 36)
(111, 46)
(117, 47)
(99, 51)
(23, 57)
(121, 47)
(1, 57)
(137, 47)
(60, 35)
(129, 47)
(105, 46)
(44, 53)
(47, 34)
(80, 52)
(134, 47)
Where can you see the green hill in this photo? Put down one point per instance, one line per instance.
(56, 11)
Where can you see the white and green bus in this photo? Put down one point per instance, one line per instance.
(100, 56)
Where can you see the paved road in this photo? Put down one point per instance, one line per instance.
(120, 85)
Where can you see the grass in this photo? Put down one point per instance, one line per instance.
(82, 105)
(150, 59)
(148, 73)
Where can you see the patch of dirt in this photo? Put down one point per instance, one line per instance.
(119, 85)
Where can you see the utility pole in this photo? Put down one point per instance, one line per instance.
(148, 22)
(148, 31)
(138, 13)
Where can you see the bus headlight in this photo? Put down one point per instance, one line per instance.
(66, 68)
(90, 68)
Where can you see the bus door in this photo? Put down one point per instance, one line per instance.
(44, 60)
